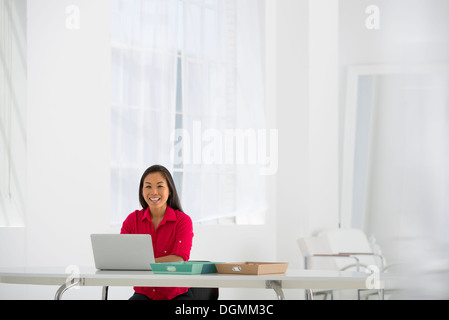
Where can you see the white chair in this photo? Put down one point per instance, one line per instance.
(340, 249)
(354, 244)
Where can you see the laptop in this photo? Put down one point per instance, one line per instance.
(122, 251)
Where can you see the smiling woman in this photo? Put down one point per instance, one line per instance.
(171, 229)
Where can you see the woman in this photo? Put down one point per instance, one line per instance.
(171, 229)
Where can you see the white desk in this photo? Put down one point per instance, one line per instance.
(292, 279)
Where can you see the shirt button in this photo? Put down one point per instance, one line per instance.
(165, 251)
(179, 241)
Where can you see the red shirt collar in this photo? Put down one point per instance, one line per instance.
(168, 216)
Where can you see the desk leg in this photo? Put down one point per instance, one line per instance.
(67, 285)
(104, 294)
(381, 294)
(277, 287)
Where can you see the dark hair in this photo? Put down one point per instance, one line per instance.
(173, 199)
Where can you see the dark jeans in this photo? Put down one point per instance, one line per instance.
(185, 296)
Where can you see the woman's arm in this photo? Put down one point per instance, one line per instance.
(170, 258)
(128, 226)
(184, 237)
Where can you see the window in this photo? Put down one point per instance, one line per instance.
(12, 114)
(187, 93)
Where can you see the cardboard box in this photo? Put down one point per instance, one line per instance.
(256, 268)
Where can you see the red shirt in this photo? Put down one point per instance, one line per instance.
(173, 235)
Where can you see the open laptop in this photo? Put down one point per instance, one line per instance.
(122, 251)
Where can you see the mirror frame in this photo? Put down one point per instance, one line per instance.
(354, 73)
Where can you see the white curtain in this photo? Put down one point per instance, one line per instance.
(144, 54)
(185, 75)
(5, 112)
(13, 148)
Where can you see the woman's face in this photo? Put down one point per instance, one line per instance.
(155, 190)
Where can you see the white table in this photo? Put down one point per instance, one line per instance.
(88, 276)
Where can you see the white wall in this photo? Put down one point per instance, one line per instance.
(68, 130)
(68, 133)
(292, 115)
